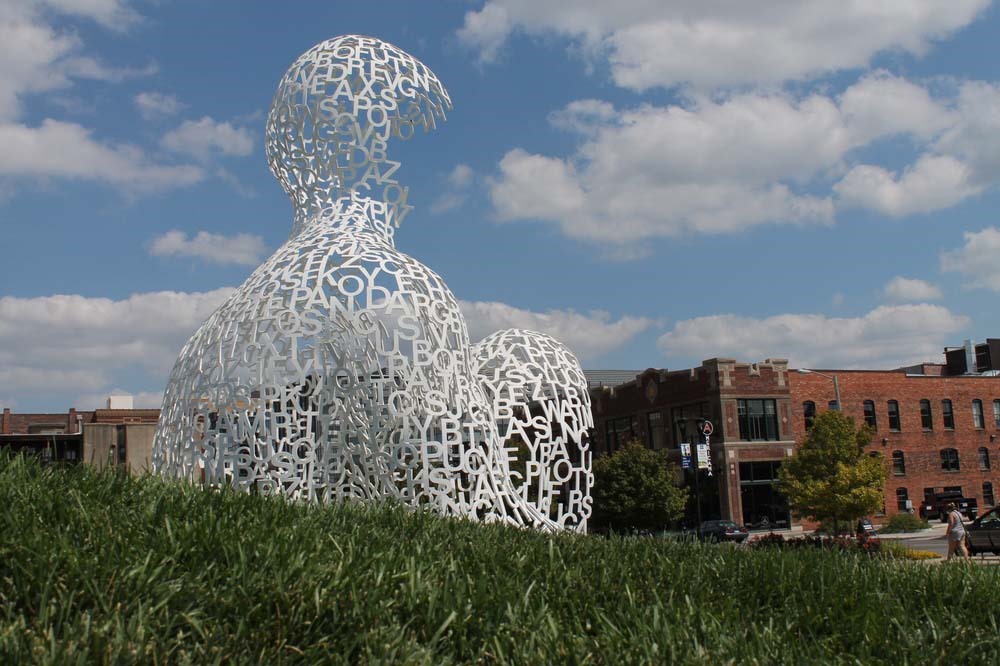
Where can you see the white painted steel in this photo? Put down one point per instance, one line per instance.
(342, 368)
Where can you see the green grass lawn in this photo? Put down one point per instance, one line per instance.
(101, 567)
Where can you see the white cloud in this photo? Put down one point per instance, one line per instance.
(932, 183)
(153, 105)
(910, 289)
(67, 344)
(725, 164)
(243, 249)
(66, 150)
(662, 171)
(975, 136)
(486, 30)
(461, 176)
(977, 260)
(589, 335)
(29, 380)
(583, 115)
(36, 57)
(99, 400)
(881, 104)
(456, 192)
(886, 337)
(709, 44)
(114, 14)
(206, 137)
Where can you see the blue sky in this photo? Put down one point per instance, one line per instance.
(654, 183)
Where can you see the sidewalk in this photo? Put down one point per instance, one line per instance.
(937, 529)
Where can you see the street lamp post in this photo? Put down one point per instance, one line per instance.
(681, 425)
(836, 384)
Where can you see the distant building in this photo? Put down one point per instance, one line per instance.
(598, 378)
(936, 425)
(117, 435)
(749, 405)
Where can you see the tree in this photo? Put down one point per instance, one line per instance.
(634, 489)
(830, 478)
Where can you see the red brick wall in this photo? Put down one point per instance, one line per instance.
(18, 424)
(921, 448)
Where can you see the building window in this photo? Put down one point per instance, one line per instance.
(758, 420)
(617, 432)
(46, 429)
(949, 460)
(977, 414)
(898, 463)
(870, 419)
(894, 416)
(996, 413)
(988, 494)
(685, 421)
(809, 411)
(948, 415)
(902, 497)
(984, 458)
(926, 419)
(657, 433)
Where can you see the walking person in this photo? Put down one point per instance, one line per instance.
(956, 532)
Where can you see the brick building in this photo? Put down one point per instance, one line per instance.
(751, 408)
(117, 435)
(936, 425)
(934, 431)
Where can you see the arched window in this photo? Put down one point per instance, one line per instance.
(988, 494)
(894, 416)
(948, 415)
(870, 419)
(809, 411)
(977, 414)
(926, 419)
(949, 460)
(984, 458)
(902, 496)
(898, 463)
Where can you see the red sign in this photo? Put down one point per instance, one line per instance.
(707, 428)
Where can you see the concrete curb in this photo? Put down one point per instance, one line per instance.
(935, 530)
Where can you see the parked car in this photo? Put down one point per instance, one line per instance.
(722, 530)
(935, 506)
(983, 533)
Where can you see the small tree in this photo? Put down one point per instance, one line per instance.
(634, 489)
(830, 478)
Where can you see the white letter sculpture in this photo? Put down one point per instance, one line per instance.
(342, 367)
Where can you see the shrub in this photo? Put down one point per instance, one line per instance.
(903, 522)
(634, 490)
(898, 551)
(868, 546)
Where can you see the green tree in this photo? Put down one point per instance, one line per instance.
(634, 489)
(830, 478)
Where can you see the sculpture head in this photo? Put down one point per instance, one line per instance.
(335, 112)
